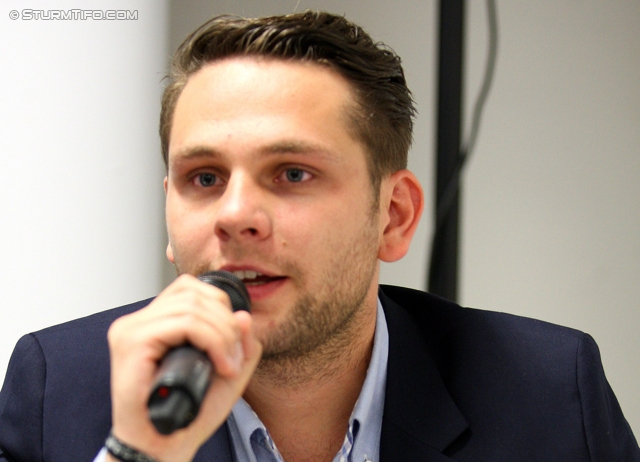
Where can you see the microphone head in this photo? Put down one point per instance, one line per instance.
(232, 285)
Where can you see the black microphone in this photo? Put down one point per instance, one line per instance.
(185, 372)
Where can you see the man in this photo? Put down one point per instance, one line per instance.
(285, 141)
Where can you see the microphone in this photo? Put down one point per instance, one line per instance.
(185, 372)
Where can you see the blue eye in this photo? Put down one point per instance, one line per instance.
(295, 175)
(207, 179)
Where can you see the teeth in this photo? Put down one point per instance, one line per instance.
(246, 274)
(250, 274)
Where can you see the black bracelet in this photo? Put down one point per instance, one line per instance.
(124, 452)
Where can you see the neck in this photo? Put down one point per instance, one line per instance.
(306, 405)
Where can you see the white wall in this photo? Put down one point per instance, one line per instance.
(81, 204)
(551, 221)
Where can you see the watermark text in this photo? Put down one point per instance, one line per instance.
(74, 15)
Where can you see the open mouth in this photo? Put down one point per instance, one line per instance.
(253, 278)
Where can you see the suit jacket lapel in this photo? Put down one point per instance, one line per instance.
(420, 417)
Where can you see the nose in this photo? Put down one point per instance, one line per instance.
(241, 211)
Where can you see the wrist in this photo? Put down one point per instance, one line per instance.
(120, 451)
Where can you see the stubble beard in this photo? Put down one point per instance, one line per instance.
(319, 331)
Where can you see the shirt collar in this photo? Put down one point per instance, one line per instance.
(250, 439)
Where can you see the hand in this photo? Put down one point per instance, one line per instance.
(187, 311)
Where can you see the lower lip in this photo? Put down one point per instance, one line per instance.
(262, 291)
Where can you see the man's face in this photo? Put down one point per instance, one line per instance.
(266, 180)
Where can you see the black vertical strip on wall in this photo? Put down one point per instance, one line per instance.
(443, 271)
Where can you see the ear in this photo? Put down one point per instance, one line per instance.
(169, 249)
(401, 204)
(170, 254)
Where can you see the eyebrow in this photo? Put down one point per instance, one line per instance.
(279, 147)
(195, 152)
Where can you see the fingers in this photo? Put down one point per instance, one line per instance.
(225, 391)
(187, 311)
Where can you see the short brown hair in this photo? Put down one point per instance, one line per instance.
(383, 120)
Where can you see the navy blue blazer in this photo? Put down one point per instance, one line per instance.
(462, 385)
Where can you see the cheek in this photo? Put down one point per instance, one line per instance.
(317, 232)
(308, 222)
(186, 228)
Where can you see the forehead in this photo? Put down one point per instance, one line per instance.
(248, 96)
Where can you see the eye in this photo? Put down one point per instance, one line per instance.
(206, 179)
(296, 175)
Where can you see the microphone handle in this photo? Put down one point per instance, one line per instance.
(185, 373)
